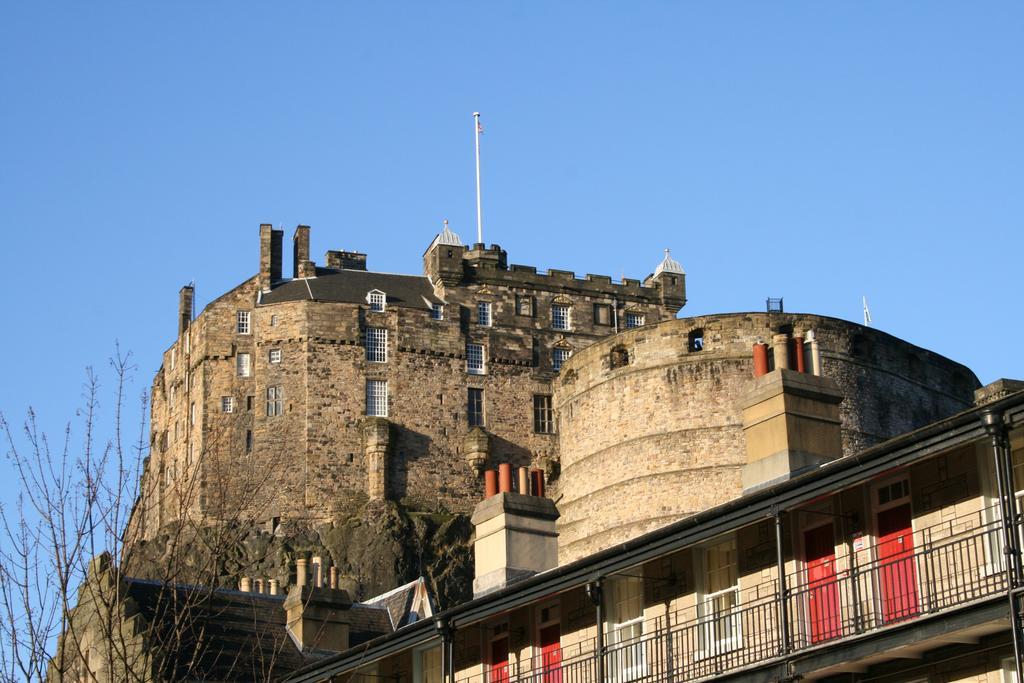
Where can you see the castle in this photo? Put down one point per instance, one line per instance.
(743, 496)
(300, 399)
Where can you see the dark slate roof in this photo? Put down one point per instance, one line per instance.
(351, 286)
(399, 604)
(221, 635)
(233, 636)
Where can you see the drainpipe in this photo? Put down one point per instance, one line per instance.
(995, 427)
(444, 628)
(595, 591)
(615, 313)
(783, 593)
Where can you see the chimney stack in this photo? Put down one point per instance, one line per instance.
(318, 618)
(301, 265)
(791, 424)
(270, 256)
(515, 539)
(185, 301)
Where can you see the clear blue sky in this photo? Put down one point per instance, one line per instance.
(816, 151)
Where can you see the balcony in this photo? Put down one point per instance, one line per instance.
(951, 566)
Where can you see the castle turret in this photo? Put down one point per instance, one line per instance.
(670, 278)
(442, 262)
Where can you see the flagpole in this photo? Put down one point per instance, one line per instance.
(479, 215)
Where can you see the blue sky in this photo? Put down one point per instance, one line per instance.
(817, 151)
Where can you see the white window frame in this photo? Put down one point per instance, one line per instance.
(377, 344)
(634, 320)
(275, 401)
(628, 662)
(558, 359)
(424, 672)
(476, 359)
(484, 311)
(227, 404)
(274, 356)
(377, 300)
(273, 320)
(243, 322)
(243, 364)
(561, 317)
(1008, 670)
(710, 644)
(437, 311)
(377, 397)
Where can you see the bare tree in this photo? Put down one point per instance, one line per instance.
(68, 610)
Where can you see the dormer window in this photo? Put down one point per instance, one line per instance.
(377, 300)
(437, 311)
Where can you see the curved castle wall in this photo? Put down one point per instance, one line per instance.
(651, 429)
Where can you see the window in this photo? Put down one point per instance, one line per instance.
(560, 317)
(437, 311)
(475, 407)
(475, 359)
(377, 344)
(559, 356)
(719, 604)
(174, 357)
(190, 456)
(273, 321)
(275, 355)
(192, 413)
(695, 341)
(249, 401)
(634, 320)
(543, 422)
(227, 404)
(174, 392)
(602, 314)
(524, 305)
(169, 474)
(483, 313)
(275, 401)
(428, 666)
(618, 358)
(626, 628)
(377, 300)
(1009, 673)
(377, 398)
(248, 441)
(242, 361)
(242, 322)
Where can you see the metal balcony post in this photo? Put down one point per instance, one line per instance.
(595, 591)
(785, 646)
(995, 427)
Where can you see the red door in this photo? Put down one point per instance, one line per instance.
(823, 593)
(499, 660)
(551, 653)
(898, 577)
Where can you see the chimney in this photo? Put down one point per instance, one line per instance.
(270, 256)
(318, 618)
(790, 423)
(515, 539)
(301, 265)
(345, 260)
(185, 298)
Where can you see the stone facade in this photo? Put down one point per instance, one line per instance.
(259, 410)
(651, 425)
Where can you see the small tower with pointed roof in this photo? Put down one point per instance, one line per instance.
(442, 262)
(670, 278)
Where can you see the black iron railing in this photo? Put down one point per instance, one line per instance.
(952, 566)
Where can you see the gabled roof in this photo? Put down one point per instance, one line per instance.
(405, 604)
(351, 286)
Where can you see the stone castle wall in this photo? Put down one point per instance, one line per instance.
(311, 462)
(651, 429)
